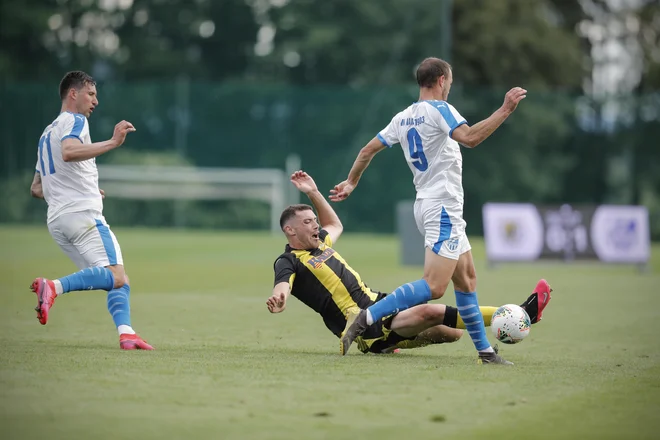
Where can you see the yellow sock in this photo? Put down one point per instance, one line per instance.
(487, 313)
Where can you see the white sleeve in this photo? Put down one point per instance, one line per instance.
(388, 135)
(74, 127)
(448, 118)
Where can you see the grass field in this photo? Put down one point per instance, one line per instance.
(226, 369)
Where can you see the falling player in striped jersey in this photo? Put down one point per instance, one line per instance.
(67, 178)
(429, 132)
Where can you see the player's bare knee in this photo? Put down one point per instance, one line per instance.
(120, 276)
(437, 289)
(432, 314)
(120, 281)
(438, 293)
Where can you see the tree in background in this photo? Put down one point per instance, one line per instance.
(126, 39)
(351, 63)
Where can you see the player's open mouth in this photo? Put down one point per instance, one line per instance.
(315, 236)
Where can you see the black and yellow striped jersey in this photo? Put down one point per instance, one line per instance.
(323, 280)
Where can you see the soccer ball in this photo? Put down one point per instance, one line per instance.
(510, 324)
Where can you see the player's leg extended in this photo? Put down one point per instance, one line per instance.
(422, 325)
(66, 231)
(90, 243)
(415, 320)
(437, 273)
(433, 219)
(118, 299)
(433, 324)
(465, 285)
(537, 301)
(440, 334)
(428, 324)
(119, 308)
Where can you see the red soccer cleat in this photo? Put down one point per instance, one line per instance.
(537, 301)
(133, 342)
(46, 295)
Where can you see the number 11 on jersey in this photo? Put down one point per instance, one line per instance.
(417, 150)
(51, 166)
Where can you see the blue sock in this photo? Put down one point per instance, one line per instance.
(404, 297)
(118, 305)
(468, 308)
(92, 278)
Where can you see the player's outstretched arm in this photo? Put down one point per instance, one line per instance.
(36, 189)
(73, 150)
(327, 216)
(344, 189)
(476, 134)
(277, 301)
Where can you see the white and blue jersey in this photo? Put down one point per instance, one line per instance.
(424, 131)
(71, 189)
(67, 186)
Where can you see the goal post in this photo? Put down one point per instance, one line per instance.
(142, 182)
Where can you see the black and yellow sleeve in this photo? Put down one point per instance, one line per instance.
(325, 237)
(285, 269)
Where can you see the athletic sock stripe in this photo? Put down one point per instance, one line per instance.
(469, 316)
(113, 307)
(469, 306)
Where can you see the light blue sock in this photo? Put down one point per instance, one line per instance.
(468, 308)
(404, 297)
(118, 305)
(92, 278)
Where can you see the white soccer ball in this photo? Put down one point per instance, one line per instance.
(510, 324)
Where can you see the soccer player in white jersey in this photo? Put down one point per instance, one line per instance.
(429, 132)
(67, 178)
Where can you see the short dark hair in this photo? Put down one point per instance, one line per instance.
(76, 80)
(430, 70)
(291, 211)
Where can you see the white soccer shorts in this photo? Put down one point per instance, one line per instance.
(443, 228)
(87, 239)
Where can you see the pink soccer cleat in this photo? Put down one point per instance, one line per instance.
(133, 342)
(46, 295)
(537, 301)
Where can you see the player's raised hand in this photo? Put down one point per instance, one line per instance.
(121, 130)
(513, 97)
(276, 303)
(303, 182)
(102, 193)
(341, 191)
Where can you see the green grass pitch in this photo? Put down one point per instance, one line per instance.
(226, 369)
